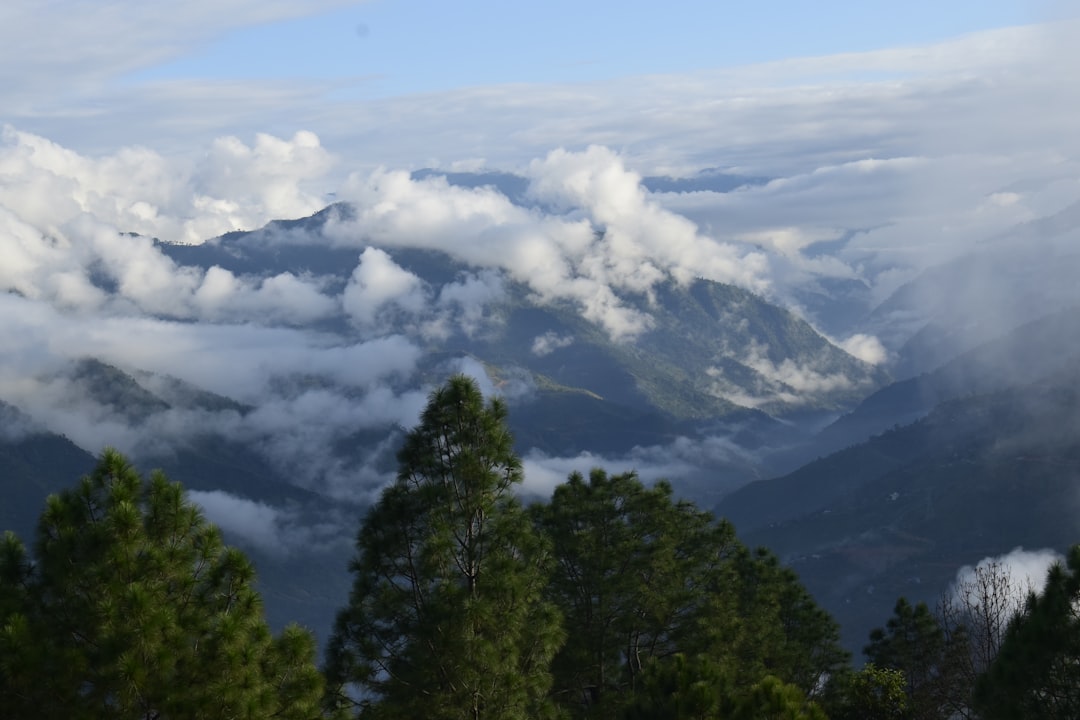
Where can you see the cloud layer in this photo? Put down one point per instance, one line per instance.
(879, 164)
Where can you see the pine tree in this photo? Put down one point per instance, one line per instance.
(914, 642)
(133, 607)
(785, 633)
(446, 618)
(641, 577)
(636, 574)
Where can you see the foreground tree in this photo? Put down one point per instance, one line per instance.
(632, 576)
(641, 577)
(872, 692)
(975, 614)
(447, 617)
(1036, 673)
(786, 634)
(914, 641)
(134, 608)
(701, 689)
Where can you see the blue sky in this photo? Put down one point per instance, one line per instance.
(419, 82)
(408, 46)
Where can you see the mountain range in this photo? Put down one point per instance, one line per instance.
(969, 454)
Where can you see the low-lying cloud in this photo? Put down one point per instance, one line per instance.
(880, 165)
(1019, 571)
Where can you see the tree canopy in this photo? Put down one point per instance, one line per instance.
(643, 578)
(447, 617)
(133, 607)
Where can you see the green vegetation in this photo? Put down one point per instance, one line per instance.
(980, 655)
(463, 608)
(1035, 673)
(133, 607)
(614, 600)
(447, 617)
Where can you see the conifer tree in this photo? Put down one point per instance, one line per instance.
(642, 577)
(785, 633)
(914, 642)
(133, 607)
(447, 617)
(635, 577)
(1036, 673)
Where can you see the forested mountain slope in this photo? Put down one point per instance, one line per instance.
(901, 512)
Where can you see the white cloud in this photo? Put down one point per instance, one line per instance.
(786, 381)
(1022, 571)
(549, 342)
(866, 348)
(135, 189)
(377, 282)
(642, 241)
(270, 529)
(251, 521)
(689, 463)
(471, 296)
(609, 238)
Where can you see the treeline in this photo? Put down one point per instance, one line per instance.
(612, 600)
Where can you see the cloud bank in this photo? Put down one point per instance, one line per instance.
(879, 165)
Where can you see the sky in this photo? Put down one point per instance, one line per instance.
(96, 76)
(893, 137)
(408, 46)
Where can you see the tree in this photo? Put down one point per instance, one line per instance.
(700, 689)
(914, 642)
(641, 577)
(634, 576)
(1036, 672)
(446, 618)
(772, 699)
(133, 607)
(872, 692)
(975, 615)
(687, 688)
(787, 634)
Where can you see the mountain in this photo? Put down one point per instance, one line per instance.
(1010, 279)
(714, 376)
(712, 350)
(33, 464)
(901, 512)
(1030, 352)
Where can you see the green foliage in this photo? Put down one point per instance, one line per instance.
(699, 688)
(1036, 673)
(786, 633)
(932, 661)
(631, 577)
(872, 692)
(447, 618)
(135, 608)
(773, 699)
(641, 577)
(688, 688)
